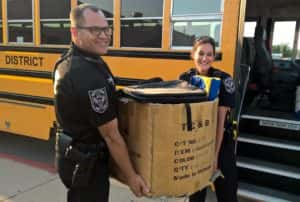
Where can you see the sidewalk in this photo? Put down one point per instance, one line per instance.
(25, 183)
(27, 174)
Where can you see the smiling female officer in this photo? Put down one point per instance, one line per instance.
(203, 54)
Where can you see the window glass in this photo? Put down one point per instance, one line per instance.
(141, 8)
(20, 32)
(185, 33)
(1, 37)
(105, 5)
(55, 24)
(298, 49)
(1, 9)
(194, 18)
(283, 39)
(190, 7)
(57, 32)
(141, 33)
(249, 29)
(141, 23)
(20, 26)
(54, 9)
(19, 9)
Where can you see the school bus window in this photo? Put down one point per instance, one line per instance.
(54, 15)
(185, 33)
(141, 23)
(20, 32)
(283, 39)
(1, 40)
(1, 35)
(55, 32)
(193, 18)
(106, 7)
(54, 9)
(194, 7)
(298, 49)
(19, 21)
(249, 29)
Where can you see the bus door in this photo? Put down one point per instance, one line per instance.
(269, 142)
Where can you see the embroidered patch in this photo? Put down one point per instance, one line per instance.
(99, 100)
(110, 80)
(229, 85)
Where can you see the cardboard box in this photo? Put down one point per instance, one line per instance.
(173, 160)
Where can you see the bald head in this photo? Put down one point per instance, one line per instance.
(77, 14)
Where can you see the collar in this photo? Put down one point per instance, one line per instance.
(210, 71)
(78, 51)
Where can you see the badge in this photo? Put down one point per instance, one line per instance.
(99, 100)
(110, 80)
(229, 85)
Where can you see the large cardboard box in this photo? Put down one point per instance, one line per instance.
(173, 160)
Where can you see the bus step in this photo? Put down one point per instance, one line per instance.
(255, 128)
(267, 174)
(260, 193)
(269, 149)
(286, 124)
(269, 142)
(268, 167)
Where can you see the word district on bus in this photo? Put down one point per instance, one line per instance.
(24, 60)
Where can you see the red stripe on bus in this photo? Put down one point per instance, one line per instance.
(35, 164)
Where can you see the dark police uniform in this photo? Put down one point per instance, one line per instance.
(226, 189)
(85, 98)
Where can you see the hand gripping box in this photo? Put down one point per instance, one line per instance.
(172, 152)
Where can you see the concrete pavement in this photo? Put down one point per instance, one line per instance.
(27, 174)
(26, 183)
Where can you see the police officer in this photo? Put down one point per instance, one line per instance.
(85, 104)
(203, 54)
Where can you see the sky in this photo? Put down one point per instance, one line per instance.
(283, 32)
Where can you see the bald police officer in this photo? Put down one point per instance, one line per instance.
(85, 104)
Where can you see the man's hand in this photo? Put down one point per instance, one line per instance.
(215, 162)
(138, 186)
(215, 165)
(119, 153)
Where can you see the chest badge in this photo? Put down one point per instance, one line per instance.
(110, 80)
(99, 100)
(229, 85)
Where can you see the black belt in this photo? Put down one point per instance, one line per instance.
(100, 148)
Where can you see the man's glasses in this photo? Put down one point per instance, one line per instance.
(97, 31)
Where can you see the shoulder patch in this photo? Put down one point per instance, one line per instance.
(99, 100)
(229, 85)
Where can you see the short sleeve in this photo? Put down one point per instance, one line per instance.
(97, 99)
(227, 92)
(186, 76)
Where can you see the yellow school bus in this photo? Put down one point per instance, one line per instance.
(153, 38)
(150, 39)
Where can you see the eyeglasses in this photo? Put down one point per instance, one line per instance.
(97, 31)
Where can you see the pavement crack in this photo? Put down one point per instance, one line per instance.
(29, 189)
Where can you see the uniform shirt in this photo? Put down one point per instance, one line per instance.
(227, 88)
(85, 95)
